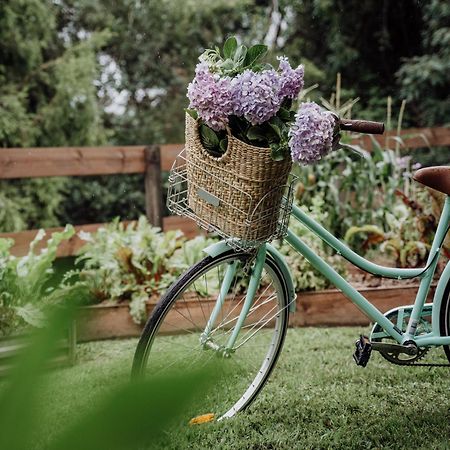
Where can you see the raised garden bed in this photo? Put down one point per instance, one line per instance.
(332, 308)
(316, 308)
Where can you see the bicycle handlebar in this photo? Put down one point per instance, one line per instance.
(362, 126)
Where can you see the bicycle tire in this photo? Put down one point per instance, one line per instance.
(157, 337)
(444, 318)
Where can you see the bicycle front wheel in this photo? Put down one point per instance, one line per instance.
(174, 336)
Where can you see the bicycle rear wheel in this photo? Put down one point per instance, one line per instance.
(172, 336)
(444, 318)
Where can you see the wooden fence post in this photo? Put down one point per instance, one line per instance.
(153, 188)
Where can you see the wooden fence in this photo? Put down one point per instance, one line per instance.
(150, 160)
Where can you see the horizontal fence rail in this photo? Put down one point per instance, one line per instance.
(70, 161)
(109, 160)
(150, 160)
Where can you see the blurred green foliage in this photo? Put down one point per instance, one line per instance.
(47, 95)
(127, 415)
(364, 41)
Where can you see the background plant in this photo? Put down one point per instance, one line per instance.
(404, 241)
(128, 262)
(190, 253)
(25, 288)
(305, 276)
(47, 98)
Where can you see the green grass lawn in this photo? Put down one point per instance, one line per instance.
(316, 398)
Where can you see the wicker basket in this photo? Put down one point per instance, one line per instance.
(239, 193)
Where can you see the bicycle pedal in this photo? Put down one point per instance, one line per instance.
(363, 351)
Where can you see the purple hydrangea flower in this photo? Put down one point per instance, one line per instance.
(291, 79)
(311, 136)
(211, 96)
(257, 95)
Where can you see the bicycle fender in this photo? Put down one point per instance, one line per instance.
(437, 299)
(222, 247)
(217, 249)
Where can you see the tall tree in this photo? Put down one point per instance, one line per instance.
(47, 98)
(366, 42)
(424, 78)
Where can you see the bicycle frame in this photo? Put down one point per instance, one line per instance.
(425, 274)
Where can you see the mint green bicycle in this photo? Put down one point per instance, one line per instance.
(234, 304)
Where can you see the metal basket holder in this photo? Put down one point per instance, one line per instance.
(259, 215)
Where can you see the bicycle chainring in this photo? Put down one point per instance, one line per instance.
(402, 359)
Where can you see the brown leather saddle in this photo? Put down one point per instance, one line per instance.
(437, 178)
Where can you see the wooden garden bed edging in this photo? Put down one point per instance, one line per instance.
(315, 308)
(332, 308)
(107, 321)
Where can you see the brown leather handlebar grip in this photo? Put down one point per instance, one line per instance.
(362, 126)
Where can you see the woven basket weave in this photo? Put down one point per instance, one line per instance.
(241, 192)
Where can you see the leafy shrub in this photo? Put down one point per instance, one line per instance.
(190, 253)
(98, 199)
(305, 276)
(128, 262)
(356, 190)
(24, 289)
(33, 203)
(408, 230)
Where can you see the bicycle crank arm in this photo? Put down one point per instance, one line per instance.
(408, 349)
(364, 349)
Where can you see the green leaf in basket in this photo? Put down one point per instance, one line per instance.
(256, 133)
(224, 144)
(277, 125)
(238, 125)
(287, 103)
(277, 152)
(276, 128)
(254, 54)
(240, 54)
(284, 114)
(229, 48)
(192, 113)
(209, 137)
(261, 67)
(227, 65)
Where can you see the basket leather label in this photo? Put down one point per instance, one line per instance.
(209, 198)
